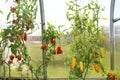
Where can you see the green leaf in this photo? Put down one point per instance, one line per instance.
(0, 56)
(8, 16)
(1, 12)
(13, 49)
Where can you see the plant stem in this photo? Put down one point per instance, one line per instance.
(9, 72)
(4, 71)
(87, 67)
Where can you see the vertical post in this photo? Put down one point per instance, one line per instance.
(112, 43)
(41, 3)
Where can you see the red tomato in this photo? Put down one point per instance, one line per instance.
(10, 61)
(19, 57)
(44, 46)
(59, 50)
(25, 36)
(11, 57)
(14, 21)
(53, 41)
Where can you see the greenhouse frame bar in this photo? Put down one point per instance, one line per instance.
(112, 44)
(112, 31)
(42, 13)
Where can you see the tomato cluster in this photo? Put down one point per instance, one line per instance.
(53, 42)
(11, 58)
(51, 48)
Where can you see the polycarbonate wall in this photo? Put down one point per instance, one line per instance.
(117, 35)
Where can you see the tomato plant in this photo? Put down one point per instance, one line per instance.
(20, 19)
(50, 36)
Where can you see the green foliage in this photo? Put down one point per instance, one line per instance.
(87, 37)
(48, 35)
(1, 12)
(50, 32)
(21, 18)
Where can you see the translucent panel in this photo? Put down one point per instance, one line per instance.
(117, 35)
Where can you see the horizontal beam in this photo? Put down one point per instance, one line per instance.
(117, 19)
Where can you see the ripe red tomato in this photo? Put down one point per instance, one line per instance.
(11, 57)
(44, 46)
(59, 50)
(19, 57)
(14, 21)
(53, 41)
(10, 61)
(25, 36)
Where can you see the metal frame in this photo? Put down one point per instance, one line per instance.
(112, 31)
(42, 13)
(112, 44)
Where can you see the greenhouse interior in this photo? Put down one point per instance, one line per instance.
(59, 40)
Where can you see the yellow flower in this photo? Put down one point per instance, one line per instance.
(81, 66)
(104, 39)
(73, 63)
(102, 52)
